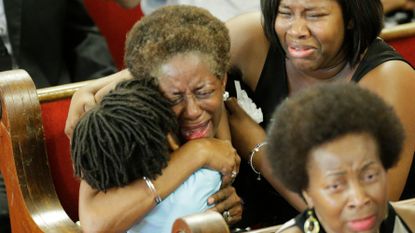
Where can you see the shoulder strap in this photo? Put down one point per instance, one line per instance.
(272, 86)
(377, 53)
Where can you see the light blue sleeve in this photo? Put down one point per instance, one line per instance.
(190, 198)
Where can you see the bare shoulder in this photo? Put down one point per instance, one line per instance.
(393, 72)
(406, 210)
(394, 82)
(249, 46)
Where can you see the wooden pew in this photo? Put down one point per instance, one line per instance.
(402, 38)
(210, 222)
(34, 155)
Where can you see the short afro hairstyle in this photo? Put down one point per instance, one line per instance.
(322, 114)
(174, 30)
(124, 137)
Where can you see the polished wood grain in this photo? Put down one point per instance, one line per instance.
(398, 32)
(207, 222)
(33, 203)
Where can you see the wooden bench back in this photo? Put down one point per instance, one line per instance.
(41, 189)
(402, 38)
(54, 105)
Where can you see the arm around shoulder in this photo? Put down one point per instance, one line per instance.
(118, 209)
(88, 96)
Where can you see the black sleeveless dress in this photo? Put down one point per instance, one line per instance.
(263, 205)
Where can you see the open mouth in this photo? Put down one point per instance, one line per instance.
(194, 132)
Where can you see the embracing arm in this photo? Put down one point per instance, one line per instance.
(246, 30)
(394, 81)
(119, 208)
(242, 125)
(87, 97)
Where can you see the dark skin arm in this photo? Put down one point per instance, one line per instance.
(225, 199)
(246, 30)
(119, 208)
(242, 125)
(397, 90)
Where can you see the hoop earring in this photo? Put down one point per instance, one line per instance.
(311, 225)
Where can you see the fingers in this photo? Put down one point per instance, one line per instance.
(80, 103)
(232, 105)
(229, 177)
(226, 199)
(235, 214)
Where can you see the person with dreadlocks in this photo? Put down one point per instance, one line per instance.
(187, 50)
(125, 138)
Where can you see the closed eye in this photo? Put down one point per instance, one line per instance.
(204, 93)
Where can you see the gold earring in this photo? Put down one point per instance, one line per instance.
(311, 225)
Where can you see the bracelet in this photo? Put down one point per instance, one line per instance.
(150, 185)
(251, 158)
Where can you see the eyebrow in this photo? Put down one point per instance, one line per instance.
(283, 5)
(340, 173)
(368, 164)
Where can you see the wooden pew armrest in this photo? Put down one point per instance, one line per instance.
(33, 203)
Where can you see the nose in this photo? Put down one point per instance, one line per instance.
(358, 196)
(298, 28)
(192, 109)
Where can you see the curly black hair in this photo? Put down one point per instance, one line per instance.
(174, 30)
(324, 113)
(124, 137)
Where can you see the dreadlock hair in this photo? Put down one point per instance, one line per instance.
(124, 137)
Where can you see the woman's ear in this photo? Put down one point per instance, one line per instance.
(307, 199)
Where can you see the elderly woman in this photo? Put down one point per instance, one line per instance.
(333, 145)
(187, 50)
